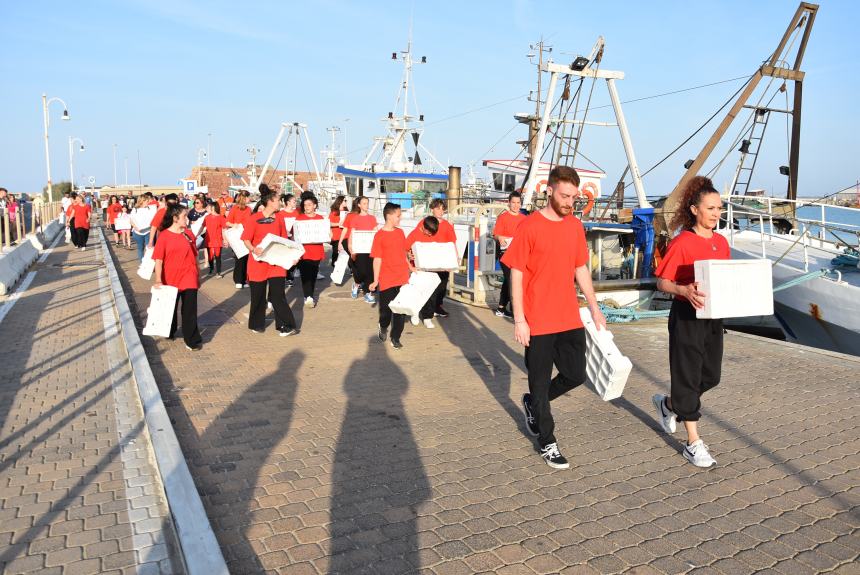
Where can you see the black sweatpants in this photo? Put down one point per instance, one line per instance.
(386, 317)
(73, 232)
(505, 296)
(240, 270)
(362, 271)
(308, 270)
(695, 358)
(334, 251)
(439, 295)
(190, 331)
(565, 350)
(283, 314)
(83, 235)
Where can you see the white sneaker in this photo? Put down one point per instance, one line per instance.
(697, 454)
(428, 323)
(238, 286)
(667, 418)
(320, 277)
(83, 249)
(269, 305)
(414, 320)
(309, 302)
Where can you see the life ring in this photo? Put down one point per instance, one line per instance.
(540, 187)
(588, 190)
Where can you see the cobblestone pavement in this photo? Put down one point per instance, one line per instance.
(332, 453)
(78, 492)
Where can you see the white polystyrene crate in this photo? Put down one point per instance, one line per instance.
(233, 236)
(338, 274)
(606, 368)
(415, 294)
(312, 231)
(279, 251)
(159, 315)
(147, 265)
(196, 226)
(734, 288)
(362, 241)
(435, 256)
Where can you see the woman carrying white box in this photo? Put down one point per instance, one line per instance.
(362, 269)
(309, 265)
(695, 345)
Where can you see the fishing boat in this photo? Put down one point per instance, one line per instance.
(394, 169)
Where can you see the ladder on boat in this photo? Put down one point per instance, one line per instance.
(749, 150)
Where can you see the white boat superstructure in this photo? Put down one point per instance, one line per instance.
(817, 284)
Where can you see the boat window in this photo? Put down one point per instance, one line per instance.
(497, 181)
(510, 182)
(393, 186)
(350, 187)
(435, 187)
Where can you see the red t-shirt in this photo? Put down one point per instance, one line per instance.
(687, 248)
(214, 224)
(418, 235)
(81, 213)
(391, 247)
(315, 252)
(364, 223)
(239, 216)
(507, 224)
(336, 231)
(113, 211)
(158, 217)
(179, 254)
(446, 232)
(548, 253)
(254, 232)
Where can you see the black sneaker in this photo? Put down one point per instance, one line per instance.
(531, 424)
(509, 314)
(441, 313)
(289, 283)
(287, 332)
(553, 457)
(382, 334)
(395, 343)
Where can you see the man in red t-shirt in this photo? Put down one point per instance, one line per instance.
(547, 254)
(390, 271)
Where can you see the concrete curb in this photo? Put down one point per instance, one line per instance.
(800, 348)
(18, 260)
(199, 547)
(44, 238)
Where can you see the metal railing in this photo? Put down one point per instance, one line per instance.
(28, 218)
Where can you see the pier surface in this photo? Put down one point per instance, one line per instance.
(330, 452)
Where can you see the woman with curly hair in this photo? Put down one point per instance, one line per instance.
(695, 345)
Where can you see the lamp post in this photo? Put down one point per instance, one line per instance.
(45, 103)
(72, 158)
(201, 153)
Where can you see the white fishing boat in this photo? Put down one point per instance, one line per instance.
(394, 169)
(817, 284)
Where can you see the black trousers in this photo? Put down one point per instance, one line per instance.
(308, 270)
(73, 231)
(190, 331)
(362, 271)
(283, 314)
(83, 236)
(565, 350)
(505, 296)
(240, 270)
(695, 358)
(334, 251)
(439, 295)
(386, 317)
(215, 262)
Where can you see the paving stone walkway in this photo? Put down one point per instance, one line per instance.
(332, 453)
(78, 490)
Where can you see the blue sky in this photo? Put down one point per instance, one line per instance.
(159, 75)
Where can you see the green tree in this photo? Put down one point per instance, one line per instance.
(60, 188)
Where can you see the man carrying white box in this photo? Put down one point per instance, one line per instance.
(426, 235)
(546, 256)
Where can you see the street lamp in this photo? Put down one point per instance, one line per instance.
(201, 153)
(45, 103)
(72, 158)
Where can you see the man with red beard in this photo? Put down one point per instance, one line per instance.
(546, 257)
